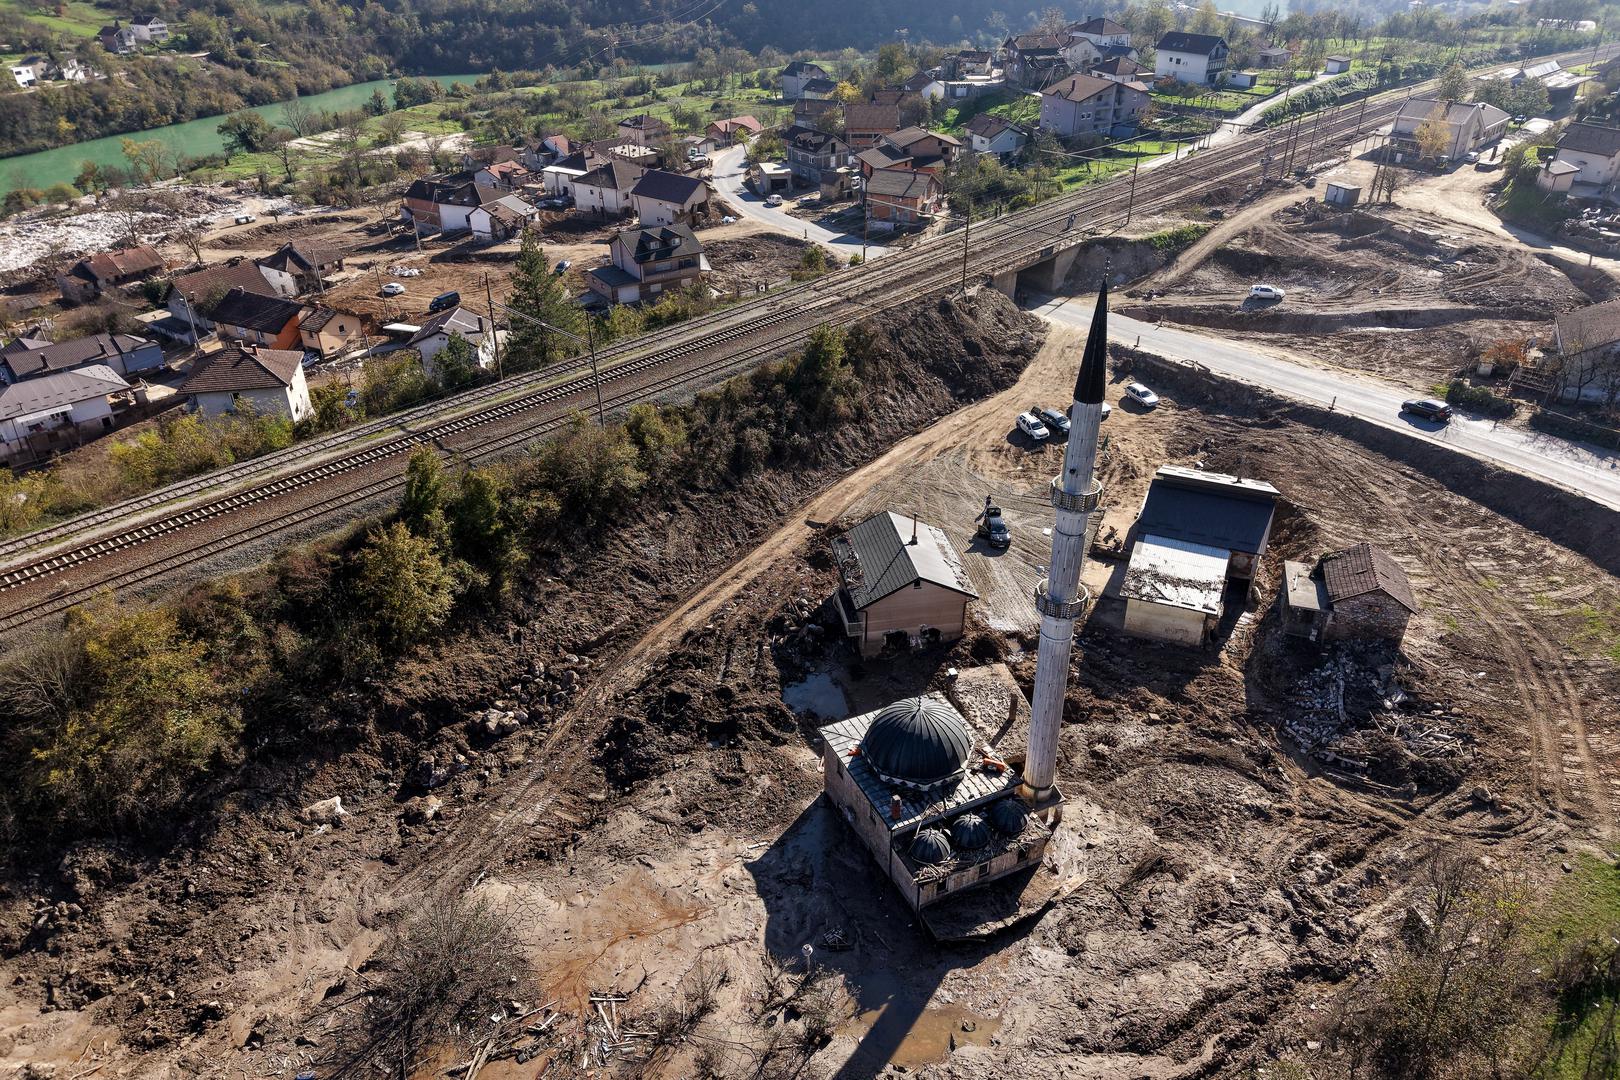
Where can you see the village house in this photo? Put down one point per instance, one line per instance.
(645, 262)
(811, 153)
(928, 150)
(296, 268)
(866, 123)
(643, 129)
(125, 354)
(1273, 56)
(558, 177)
(924, 86)
(502, 175)
(1031, 61)
(107, 270)
(149, 29)
(31, 71)
(723, 133)
(1195, 532)
(434, 336)
(794, 77)
(902, 199)
(967, 63)
(809, 110)
(1199, 59)
(990, 134)
(118, 40)
(882, 156)
(269, 381)
(1354, 594)
(1587, 347)
(903, 585)
(259, 320)
(666, 198)
(74, 70)
(1585, 163)
(39, 417)
(1078, 54)
(1101, 32)
(606, 188)
(1467, 126)
(431, 203)
(477, 157)
(327, 332)
(501, 219)
(192, 296)
(1120, 69)
(1091, 106)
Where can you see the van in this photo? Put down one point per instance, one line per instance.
(444, 300)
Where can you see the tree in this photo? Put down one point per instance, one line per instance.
(91, 179)
(189, 233)
(403, 590)
(659, 436)
(846, 93)
(391, 128)
(377, 104)
(147, 159)
(477, 522)
(281, 145)
(246, 133)
(1433, 136)
(421, 505)
(300, 118)
(538, 294)
(586, 472)
(457, 363)
(1454, 83)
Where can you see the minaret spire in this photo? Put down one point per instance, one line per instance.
(1061, 599)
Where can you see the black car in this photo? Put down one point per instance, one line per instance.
(1056, 422)
(993, 530)
(1428, 409)
(444, 300)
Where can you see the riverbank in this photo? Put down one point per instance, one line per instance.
(194, 138)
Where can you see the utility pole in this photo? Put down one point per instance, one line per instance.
(1130, 203)
(494, 326)
(596, 375)
(966, 233)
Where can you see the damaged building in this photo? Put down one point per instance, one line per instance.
(1358, 593)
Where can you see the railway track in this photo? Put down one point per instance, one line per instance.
(498, 419)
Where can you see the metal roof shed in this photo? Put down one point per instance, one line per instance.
(1212, 509)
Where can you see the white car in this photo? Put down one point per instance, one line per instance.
(774, 200)
(1265, 292)
(1141, 395)
(393, 288)
(1031, 425)
(1107, 409)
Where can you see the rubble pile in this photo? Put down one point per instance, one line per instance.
(1352, 716)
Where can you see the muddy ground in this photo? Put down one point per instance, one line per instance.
(665, 812)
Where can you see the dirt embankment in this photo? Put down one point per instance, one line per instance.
(246, 918)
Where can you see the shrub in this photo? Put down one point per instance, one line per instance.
(1170, 241)
(403, 591)
(1479, 399)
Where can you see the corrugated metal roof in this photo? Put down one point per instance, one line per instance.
(877, 558)
(1176, 573)
(916, 807)
(1213, 509)
(60, 390)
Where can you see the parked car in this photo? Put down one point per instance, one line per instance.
(773, 200)
(1265, 292)
(1031, 425)
(1055, 422)
(393, 288)
(1428, 409)
(562, 266)
(1141, 395)
(993, 530)
(812, 199)
(246, 219)
(1107, 410)
(1472, 157)
(444, 300)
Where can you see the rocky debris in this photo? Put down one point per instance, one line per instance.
(325, 812)
(1351, 714)
(419, 811)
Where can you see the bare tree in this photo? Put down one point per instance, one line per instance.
(131, 213)
(441, 976)
(301, 118)
(281, 145)
(390, 127)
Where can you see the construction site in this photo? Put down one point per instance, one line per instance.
(729, 839)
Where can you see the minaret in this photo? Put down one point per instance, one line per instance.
(1060, 598)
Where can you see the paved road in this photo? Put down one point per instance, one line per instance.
(729, 175)
(1593, 472)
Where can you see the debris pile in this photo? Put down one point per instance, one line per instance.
(1352, 716)
(549, 1036)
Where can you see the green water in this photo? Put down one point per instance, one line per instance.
(193, 138)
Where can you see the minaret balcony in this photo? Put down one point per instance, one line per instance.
(1061, 609)
(1083, 503)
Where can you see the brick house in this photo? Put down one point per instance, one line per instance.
(260, 320)
(866, 123)
(106, 270)
(811, 153)
(648, 261)
(1360, 592)
(902, 198)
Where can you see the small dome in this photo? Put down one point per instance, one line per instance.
(918, 741)
(931, 846)
(969, 832)
(1009, 816)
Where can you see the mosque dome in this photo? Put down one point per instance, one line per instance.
(969, 832)
(918, 741)
(1009, 816)
(931, 846)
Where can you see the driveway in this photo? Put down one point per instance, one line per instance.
(1590, 471)
(729, 174)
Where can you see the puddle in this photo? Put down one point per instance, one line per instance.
(932, 1036)
(817, 694)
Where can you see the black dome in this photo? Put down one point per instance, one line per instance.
(1009, 816)
(931, 846)
(969, 832)
(917, 741)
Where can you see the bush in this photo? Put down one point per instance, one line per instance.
(403, 591)
(1480, 400)
(1171, 241)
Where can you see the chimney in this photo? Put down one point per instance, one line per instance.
(895, 807)
(1061, 599)
(913, 530)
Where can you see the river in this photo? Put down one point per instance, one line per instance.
(194, 138)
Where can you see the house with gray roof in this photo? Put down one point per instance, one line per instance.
(125, 354)
(53, 412)
(667, 198)
(645, 262)
(903, 584)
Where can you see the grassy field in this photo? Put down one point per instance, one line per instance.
(1589, 902)
(74, 17)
